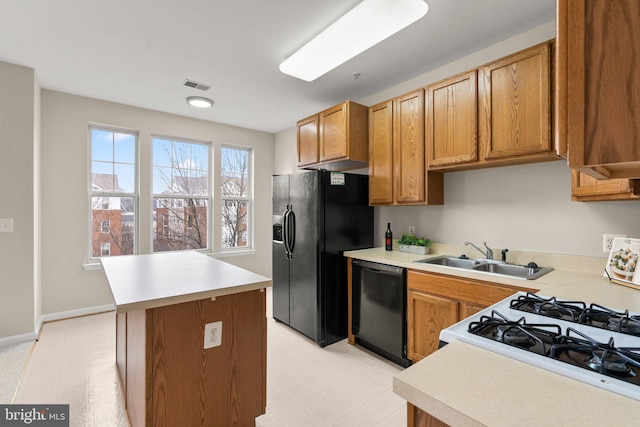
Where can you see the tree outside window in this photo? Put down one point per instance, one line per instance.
(235, 195)
(180, 195)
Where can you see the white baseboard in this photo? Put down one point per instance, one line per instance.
(18, 339)
(32, 336)
(75, 313)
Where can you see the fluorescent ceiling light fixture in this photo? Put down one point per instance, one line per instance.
(364, 26)
(199, 101)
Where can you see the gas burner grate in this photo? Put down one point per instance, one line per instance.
(536, 338)
(605, 318)
(583, 351)
(549, 307)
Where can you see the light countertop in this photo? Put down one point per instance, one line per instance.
(161, 279)
(464, 385)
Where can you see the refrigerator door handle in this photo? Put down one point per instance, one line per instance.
(291, 234)
(285, 231)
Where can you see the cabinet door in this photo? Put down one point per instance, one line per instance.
(599, 38)
(452, 121)
(381, 154)
(467, 309)
(515, 115)
(427, 316)
(308, 141)
(409, 155)
(333, 133)
(585, 188)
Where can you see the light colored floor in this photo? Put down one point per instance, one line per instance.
(12, 361)
(339, 385)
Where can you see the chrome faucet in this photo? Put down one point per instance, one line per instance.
(488, 254)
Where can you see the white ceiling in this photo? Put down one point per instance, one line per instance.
(139, 52)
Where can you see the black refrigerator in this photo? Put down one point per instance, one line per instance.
(317, 215)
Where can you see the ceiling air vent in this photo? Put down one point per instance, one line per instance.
(196, 85)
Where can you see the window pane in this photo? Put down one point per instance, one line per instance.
(161, 180)
(180, 168)
(101, 145)
(162, 152)
(235, 172)
(179, 224)
(124, 177)
(112, 226)
(234, 224)
(102, 176)
(124, 148)
(200, 156)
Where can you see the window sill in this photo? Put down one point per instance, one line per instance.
(232, 253)
(92, 266)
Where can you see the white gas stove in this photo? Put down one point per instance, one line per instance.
(593, 344)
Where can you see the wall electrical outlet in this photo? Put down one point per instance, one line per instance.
(607, 241)
(412, 229)
(212, 334)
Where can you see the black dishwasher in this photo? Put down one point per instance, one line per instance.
(379, 312)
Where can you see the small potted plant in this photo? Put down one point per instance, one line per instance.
(414, 245)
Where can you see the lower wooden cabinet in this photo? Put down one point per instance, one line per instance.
(428, 315)
(437, 301)
(416, 417)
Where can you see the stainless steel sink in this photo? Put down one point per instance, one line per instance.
(489, 266)
(513, 270)
(450, 261)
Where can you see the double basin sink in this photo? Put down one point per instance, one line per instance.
(529, 272)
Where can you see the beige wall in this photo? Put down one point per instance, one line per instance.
(19, 287)
(519, 207)
(66, 286)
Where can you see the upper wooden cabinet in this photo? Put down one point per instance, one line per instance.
(452, 121)
(585, 188)
(598, 86)
(515, 110)
(308, 144)
(381, 154)
(408, 148)
(342, 138)
(499, 114)
(397, 173)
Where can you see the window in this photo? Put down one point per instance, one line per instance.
(180, 194)
(235, 196)
(113, 191)
(105, 249)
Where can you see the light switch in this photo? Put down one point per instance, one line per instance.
(212, 334)
(6, 225)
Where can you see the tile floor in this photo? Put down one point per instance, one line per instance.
(12, 362)
(339, 385)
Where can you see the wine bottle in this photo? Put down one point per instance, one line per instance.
(388, 238)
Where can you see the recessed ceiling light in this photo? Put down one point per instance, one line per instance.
(199, 101)
(362, 27)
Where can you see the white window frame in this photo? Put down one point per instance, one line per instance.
(249, 199)
(92, 260)
(104, 229)
(180, 197)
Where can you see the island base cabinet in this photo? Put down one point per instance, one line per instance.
(416, 417)
(170, 379)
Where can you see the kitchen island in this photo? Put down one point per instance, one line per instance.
(190, 339)
(465, 385)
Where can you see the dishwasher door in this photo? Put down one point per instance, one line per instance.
(379, 320)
